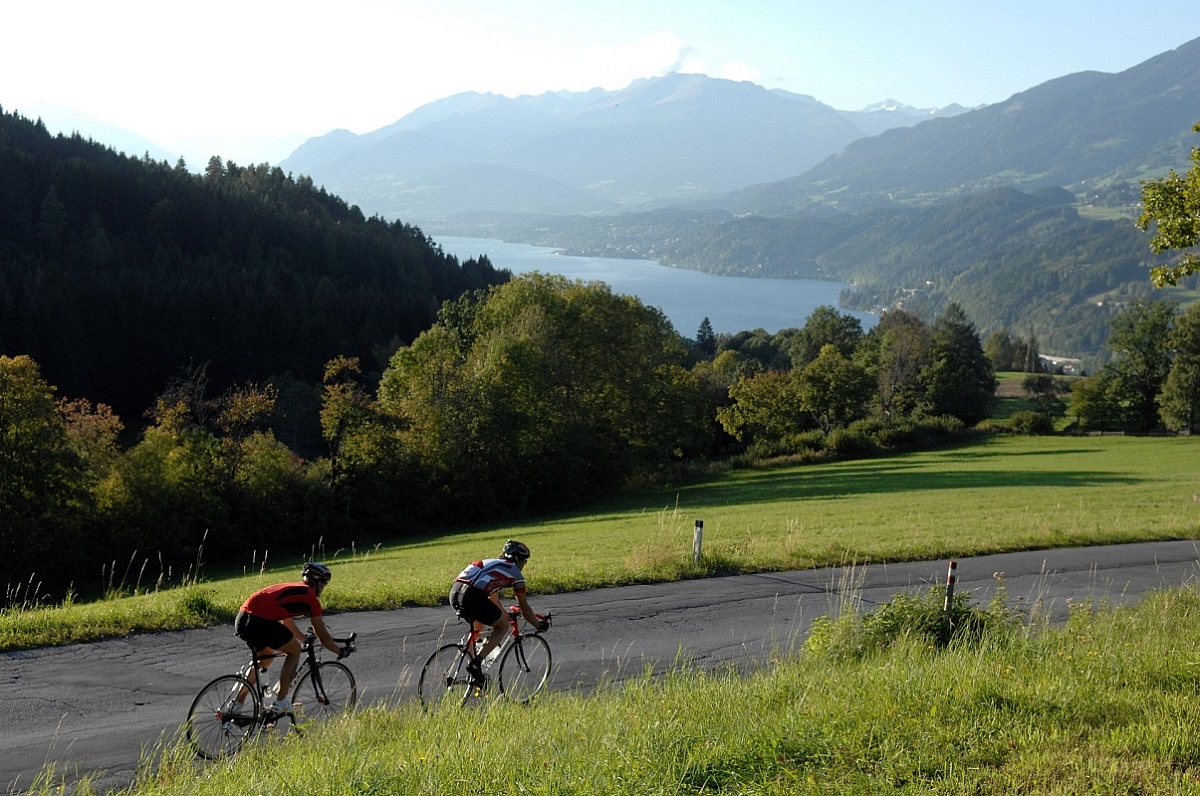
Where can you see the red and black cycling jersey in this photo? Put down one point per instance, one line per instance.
(283, 600)
(492, 575)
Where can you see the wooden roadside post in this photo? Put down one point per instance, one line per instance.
(951, 578)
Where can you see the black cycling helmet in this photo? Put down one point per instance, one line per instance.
(515, 551)
(316, 573)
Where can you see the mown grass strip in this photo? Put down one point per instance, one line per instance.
(1103, 705)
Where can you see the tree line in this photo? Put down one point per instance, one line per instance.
(533, 396)
(530, 397)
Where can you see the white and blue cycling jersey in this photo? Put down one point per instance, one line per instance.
(492, 575)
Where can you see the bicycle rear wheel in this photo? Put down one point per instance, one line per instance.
(217, 723)
(444, 679)
(525, 668)
(323, 692)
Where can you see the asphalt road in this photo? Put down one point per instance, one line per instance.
(95, 708)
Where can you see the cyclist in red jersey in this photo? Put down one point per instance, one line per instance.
(267, 622)
(475, 595)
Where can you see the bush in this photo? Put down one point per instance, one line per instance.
(853, 440)
(992, 426)
(1029, 422)
(812, 440)
(198, 606)
(907, 616)
(887, 435)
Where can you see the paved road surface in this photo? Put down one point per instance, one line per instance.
(95, 707)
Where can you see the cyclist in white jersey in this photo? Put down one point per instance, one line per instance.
(475, 595)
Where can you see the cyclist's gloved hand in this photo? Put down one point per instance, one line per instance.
(543, 625)
(344, 652)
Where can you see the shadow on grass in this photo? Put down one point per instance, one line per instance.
(896, 476)
(956, 466)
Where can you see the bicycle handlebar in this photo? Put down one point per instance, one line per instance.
(514, 611)
(348, 645)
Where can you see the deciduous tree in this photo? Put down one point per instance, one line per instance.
(833, 389)
(1180, 399)
(899, 349)
(825, 326)
(42, 491)
(1171, 207)
(1045, 393)
(765, 407)
(959, 381)
(546, 391)
(1140, 339)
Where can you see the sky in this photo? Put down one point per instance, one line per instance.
(250, 80)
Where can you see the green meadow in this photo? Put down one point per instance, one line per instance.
(1106, 703)
(1000, 494)
(1103, 705)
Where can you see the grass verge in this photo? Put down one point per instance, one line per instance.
(1104, 704)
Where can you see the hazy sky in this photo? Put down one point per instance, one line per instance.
(251, 79)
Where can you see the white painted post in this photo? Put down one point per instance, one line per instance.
(697, 541)
(951, 578)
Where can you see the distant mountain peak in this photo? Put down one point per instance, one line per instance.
(895, 106)
(679, 137)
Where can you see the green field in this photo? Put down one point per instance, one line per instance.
(1105, 704)
(1003, 493)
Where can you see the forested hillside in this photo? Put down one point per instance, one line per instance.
(1095, 134)
(120, 275)
(1027, 262)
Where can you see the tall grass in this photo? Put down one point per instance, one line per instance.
(1103, 705)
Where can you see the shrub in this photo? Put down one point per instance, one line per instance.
(992, 426)
(811, 440)
(1029, 422)
(852, 440)
(907, 615)
(199, 606)
(887, 435)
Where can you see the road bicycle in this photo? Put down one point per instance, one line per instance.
(521, 665)
(236, 707)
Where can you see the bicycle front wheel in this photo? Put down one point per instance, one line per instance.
(223, 715)
(323, 692)
(525, 668)
(444, 679)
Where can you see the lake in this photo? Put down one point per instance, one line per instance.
(731, 303)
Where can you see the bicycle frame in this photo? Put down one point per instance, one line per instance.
(477, 634)
(308, 663)
(235, 707)
(521, 665)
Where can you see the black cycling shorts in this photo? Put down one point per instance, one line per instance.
(473, 604)
(261, 633)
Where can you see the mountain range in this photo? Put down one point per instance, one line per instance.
(1093, 133)
(676, 139)
(1020, 211)
(691, 140)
